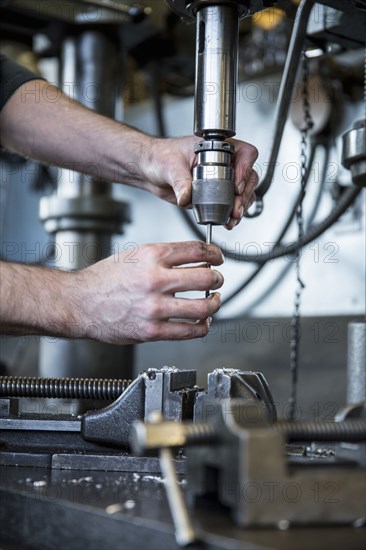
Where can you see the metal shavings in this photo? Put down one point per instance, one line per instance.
(129, 504)
(114, 509)
(157, 479)
(40, 483)
(283, 524)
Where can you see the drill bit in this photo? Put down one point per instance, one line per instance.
(208, 241)
(209, 233)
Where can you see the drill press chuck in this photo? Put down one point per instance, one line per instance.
(213, 188)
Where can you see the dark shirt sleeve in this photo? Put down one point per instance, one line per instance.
(12, 76)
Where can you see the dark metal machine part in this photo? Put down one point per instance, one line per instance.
(352, 18)
(83, 11)
(237, 459)
(60, 449)
(214, 109)
(93, 440)
(234, 384)
(168, 391)
(115, 507)
(354, 152)
(110, 510)
(82, 214)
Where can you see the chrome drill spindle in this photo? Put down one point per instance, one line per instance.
(213, 188)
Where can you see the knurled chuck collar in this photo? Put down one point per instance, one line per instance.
(354, 152)
(214, 145)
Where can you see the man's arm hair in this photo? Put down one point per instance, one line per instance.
(40, 122)
(37, 300)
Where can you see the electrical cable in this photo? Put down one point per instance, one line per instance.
(274, 284)
(312, 233)
(154, 84)
(318, 229)
(287, 84)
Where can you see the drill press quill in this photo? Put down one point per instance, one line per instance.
(213, 188)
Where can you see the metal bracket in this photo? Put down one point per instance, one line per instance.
(234, 384)
(168, 391)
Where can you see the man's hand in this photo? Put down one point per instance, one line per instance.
(123, 299)
(169, 168)
(64, 133)
(133, 299)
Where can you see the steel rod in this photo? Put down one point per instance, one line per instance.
(63, 388)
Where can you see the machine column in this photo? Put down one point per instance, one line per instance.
(82, 214)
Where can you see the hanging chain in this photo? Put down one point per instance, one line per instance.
(295, 322)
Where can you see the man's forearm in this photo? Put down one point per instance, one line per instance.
(41, 123)
(115, 301)
(37, 300)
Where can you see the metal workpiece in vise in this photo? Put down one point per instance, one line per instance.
(217, 37)
(233, 384)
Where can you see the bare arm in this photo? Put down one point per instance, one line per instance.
(110, 299)
(37, 300)
(115, 301)
(42, 123)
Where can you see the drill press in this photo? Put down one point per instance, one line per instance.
(217, 21)
(217, 43)
(217, 37)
